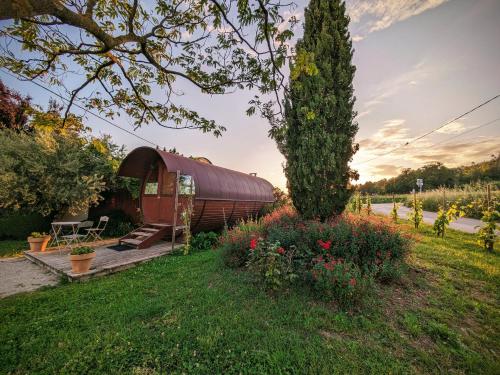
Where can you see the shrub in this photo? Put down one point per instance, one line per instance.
(394, 211)
(444, 218)
(272, 263)
(358, 203)
(487, 233)
(235, 243)
(368, 247)
(339, 280)
(82, 250)
(368, 205)
(416, 214)
(18, 225)
(204, 241)
(119, 223)
(282, 217)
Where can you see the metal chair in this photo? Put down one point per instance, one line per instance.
(95, 233)
(76, 237)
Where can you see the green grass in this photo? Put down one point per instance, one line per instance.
(191, 315)
(10, 248)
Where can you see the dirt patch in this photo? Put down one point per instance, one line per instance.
(19, 275)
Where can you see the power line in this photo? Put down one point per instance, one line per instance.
(430, 132)
(77, 105)
(466, 132)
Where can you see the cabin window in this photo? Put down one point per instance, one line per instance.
(168, 183)
(151, 187)
(186, 185)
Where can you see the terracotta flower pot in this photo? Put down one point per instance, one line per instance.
(38, 243)
(81, 263)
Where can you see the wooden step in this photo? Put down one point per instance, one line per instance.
(142, 233)
(131, 241)
(144, 237)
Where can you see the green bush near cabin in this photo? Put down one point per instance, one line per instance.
(19, 225)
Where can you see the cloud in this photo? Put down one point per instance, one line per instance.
(386, 170)
(375, 15)
(357, 38)
(389, 88)
(457, 153)
(393, 133)
(453, 128)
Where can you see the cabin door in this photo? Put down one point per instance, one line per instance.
(158, 195)
(150, 199)
(167, 196)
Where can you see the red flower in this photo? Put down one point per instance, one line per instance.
(253, 244)
(280, 250)
(352, 282)
(325, 244)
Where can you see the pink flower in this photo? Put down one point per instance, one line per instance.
(280, 251)
(352, 282)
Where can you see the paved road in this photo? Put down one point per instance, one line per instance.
(463, 224)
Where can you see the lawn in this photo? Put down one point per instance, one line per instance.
(189, 314)
(10, 248)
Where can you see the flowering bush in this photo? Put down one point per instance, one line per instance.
(272, 263)
(235, 243)
(339, 280)
(282, 245)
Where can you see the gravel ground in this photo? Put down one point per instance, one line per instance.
(19, 275)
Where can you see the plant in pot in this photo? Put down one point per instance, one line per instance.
(81, 259)
(38, 241)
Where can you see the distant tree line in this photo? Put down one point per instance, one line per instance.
(436, 175)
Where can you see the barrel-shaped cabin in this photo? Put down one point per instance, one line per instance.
(216, 195)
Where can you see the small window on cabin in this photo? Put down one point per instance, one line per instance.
(186, 185)
(168, 183)
(151, 187)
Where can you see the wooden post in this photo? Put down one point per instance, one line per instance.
(176, 203)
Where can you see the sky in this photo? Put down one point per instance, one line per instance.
(420, 63)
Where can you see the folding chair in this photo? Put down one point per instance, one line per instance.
(95, 233)
(75, 237)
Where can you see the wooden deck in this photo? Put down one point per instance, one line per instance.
(107, 261)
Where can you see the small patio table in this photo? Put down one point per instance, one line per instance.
(57, 227)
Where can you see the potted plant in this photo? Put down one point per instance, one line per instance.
(81, 259)
(38, 241)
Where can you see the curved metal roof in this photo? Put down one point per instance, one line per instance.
(211, 181)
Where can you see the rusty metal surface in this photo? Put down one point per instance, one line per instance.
(211, 182)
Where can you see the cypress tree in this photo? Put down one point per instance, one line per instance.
(320, 128)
